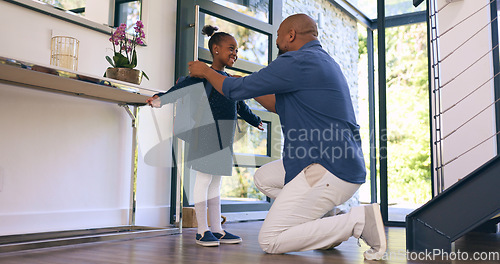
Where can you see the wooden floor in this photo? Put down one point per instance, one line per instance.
(181, 248)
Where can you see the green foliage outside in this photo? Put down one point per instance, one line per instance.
(408, 147)
(240, 186)
(408, 114)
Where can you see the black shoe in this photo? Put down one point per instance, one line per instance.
(228, 238)
(207, 240)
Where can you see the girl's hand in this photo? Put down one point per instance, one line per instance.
(261, 126)
(153, 101)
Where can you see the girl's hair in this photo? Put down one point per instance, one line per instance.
(215, 37)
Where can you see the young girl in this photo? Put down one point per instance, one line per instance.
(210, 147)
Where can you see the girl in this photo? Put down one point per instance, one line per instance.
(210, 147)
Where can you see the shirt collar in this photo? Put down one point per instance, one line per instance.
(221, 72)
(311, 43)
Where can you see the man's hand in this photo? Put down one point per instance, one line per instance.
(198, 69)
(154, 101)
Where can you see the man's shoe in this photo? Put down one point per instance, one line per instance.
(373, 233)
(227, 238)
(207, 240)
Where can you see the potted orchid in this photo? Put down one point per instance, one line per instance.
(125, 57)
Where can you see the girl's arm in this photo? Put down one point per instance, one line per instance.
(247, 115)
(163, 98)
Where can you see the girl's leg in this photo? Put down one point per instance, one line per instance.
(213, 202)
(201, 186)
(214, 213)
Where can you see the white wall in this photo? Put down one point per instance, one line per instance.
(65, 161)
(482, 126)
(98, 11)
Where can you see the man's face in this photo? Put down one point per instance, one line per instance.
(280, 43)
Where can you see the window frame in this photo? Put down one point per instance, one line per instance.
(62, 15)
(116, 16)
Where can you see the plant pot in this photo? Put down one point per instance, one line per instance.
(125, 74)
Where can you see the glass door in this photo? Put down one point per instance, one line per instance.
(254, 25)
(408, 124)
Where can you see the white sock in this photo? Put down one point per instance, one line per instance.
(201, 185)
(214, 204)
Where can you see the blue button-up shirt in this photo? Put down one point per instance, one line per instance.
(315, 110)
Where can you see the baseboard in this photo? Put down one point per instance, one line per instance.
(36, 222)
(245, 216)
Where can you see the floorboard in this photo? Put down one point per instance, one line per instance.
(182, 249)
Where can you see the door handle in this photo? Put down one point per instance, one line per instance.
(196, 27)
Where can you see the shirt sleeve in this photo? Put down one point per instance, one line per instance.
(247, 114)
(277, 77)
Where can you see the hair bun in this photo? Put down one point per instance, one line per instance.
(209, 30)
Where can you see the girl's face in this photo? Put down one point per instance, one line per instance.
(226, 52)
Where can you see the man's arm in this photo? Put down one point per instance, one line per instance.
(278, 77)
(268, 102)
(201, 70)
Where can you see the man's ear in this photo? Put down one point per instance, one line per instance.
(291, 35)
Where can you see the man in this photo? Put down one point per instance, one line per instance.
(322, 164)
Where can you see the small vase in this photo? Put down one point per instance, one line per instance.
(125, 74)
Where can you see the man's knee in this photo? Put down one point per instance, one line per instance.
(267, 244)
(258, 178)
(263, 242)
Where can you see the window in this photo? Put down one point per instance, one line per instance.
(253, 46)
(258, 9)
(92, 14)
(127, 12)
(75, 6)
(408, 152)
(392, 7)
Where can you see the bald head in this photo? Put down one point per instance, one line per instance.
(302, 24)
(295, 31)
